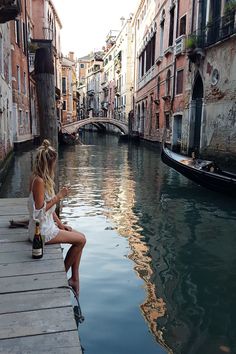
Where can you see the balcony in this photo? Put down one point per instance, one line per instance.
(148, 76)
(180, 45)
(215, 31)
(91, 92)
(105, 105)
(117, 91)
(31, 62)
(9, 10)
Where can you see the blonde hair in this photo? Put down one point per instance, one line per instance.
(44, 163)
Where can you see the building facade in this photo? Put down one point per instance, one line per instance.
(20, 76)
(211, 128)
(93, 83)
(108, 76)
(6, 118)
(124, 71)
(82, 66)
(161, 69)
(46, 32)
(69, 89)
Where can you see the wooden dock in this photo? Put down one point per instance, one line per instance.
(36, 315)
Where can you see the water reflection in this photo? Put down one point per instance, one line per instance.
(181, 241)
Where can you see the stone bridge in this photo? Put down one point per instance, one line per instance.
(73, 127)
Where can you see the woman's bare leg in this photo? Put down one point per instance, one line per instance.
(77, 240)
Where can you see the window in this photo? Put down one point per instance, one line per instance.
(168, 82)
(64, 85)
(64, 106)
(158, 87)
(179, 82)
(182, 26)
(18, 78)
(157, 121)
(167, 120)
(25, 85)
(171, 29)
(82, 66)
(27, 119)
(20, 117)
(162, 37)
(17, 32)
(148, 50)
(23, 36)
(153, 44)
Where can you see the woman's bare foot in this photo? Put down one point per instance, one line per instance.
(74, 284)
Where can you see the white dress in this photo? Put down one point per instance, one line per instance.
(48, 228)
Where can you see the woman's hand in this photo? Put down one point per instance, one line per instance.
(67, 228)
(63, 192)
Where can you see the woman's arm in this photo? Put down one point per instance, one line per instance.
(60, 224)
(39, 195)
(58, 221)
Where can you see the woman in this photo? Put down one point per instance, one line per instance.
(42, 204)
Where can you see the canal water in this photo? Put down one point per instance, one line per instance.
(158, 274)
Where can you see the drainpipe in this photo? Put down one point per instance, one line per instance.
(192, 23)
(174, 76)
(27, 57)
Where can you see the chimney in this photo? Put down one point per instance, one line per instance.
(122, 19)
(71, 56)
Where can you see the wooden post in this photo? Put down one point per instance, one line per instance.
(45, 85)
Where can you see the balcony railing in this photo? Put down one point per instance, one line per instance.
(9, 10)
(31, 61)
(180, 45)
(91, 92)
(117, 91)
(216, 31)
(148, 76)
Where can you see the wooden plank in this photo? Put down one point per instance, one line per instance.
(25, 256)
(32, 282)
(34, 300)
(35, 267)
(55, 343)
(12, 212)
(14, 236)
(13, 201)
(36, 322)
(26, 246)
(35, 314)
(20, 215)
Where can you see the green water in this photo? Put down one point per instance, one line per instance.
(160, 261)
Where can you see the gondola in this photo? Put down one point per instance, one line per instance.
(203, 172)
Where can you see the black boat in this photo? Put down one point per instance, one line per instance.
(203, 172)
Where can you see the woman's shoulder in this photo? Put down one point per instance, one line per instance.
(36, 181)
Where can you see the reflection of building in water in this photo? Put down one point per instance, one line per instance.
(117, 189)
(121, 202)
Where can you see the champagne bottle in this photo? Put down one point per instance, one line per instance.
(37, 248)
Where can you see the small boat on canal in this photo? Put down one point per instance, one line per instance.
(203, 172)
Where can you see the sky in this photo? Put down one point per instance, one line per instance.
(86, 23)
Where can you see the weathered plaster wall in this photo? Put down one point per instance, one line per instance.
(219, 121)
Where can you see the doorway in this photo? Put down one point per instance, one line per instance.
(177, 133)
(196, 107)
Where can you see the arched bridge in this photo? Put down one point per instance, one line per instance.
(73, 127)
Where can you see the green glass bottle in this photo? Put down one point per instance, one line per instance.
(37, 247)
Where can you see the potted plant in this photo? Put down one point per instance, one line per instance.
(230, 7)
(193, 49)
(191, 42)
(229, 17)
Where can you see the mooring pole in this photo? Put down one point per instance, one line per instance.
(45, 85)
